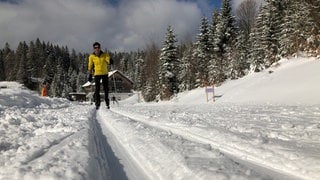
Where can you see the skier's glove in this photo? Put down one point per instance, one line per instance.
(90, 77)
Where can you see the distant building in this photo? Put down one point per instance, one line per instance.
(120, 86)
(119, 83)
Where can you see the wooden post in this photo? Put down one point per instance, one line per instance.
(206, 93)
(213, 92)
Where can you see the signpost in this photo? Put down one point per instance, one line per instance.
(208, 90)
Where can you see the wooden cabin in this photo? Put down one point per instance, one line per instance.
(119, 85)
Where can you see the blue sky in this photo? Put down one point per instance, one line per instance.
(119, 25)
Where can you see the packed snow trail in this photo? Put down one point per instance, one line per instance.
(163, 155)
(237, 146)
(108, 165)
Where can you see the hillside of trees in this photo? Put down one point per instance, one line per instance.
(228, 46)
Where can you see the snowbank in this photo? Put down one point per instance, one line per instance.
(291, 81)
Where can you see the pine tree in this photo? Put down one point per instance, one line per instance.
(286, 45)
(315, 43)
(225, 31)
(57, 84)
(239, 63)
(246, 14)
(8, 62)
(169, 68)
(149, 76)
(23, 71)
(297, 28)
(50, 66)
(212, 69)
(40, 61)
(257, 51)
(201, 53)
(82, 71)
(245, 17)
(33, 64)
(69, 83)
(138, 72)
(2, 73)
(187, 69)
(264, 37)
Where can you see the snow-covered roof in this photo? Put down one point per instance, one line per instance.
(117, 71)
(87, 84)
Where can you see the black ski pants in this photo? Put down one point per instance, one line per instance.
(97, 80)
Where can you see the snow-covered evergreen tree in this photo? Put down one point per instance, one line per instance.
(149, 76)
(212, 70)
(239, 65)
(2, 72)
(69, 82)
(257, 51)
(57, 85)
(201, 53)
(23, 71)
(50, 66)
(138, 73)
(169, 66)
(225, 31)
(245, 17)
(187, 69)
(9, 63)
(32, 59)
(296, 28)
(265, 36)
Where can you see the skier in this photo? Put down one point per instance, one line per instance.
(98, 66)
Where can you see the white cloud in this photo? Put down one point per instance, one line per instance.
(78, 23)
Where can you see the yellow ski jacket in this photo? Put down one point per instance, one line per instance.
(99, 63)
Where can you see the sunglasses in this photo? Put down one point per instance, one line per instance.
(96, 47)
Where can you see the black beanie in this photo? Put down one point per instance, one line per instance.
(96, 44)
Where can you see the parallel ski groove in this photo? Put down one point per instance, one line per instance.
(232, 153)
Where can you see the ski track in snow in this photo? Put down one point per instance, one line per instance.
(108, 165)
(148, 141)
(231, 141)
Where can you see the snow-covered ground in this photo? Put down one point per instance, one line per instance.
(263, 126)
